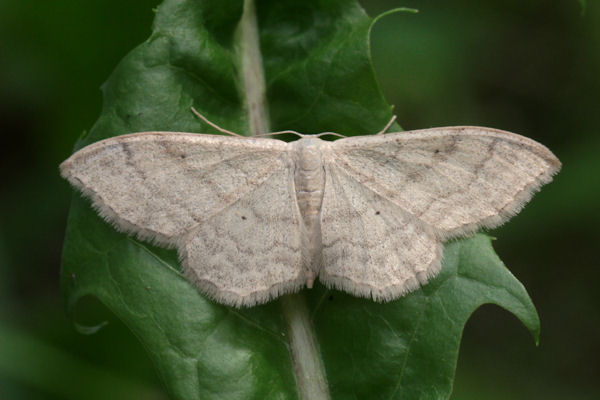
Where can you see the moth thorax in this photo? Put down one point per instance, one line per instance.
(309, 177)
(309, 155)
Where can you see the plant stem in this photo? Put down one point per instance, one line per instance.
(306, 358)
(252, 71)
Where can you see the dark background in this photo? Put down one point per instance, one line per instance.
(528, 67)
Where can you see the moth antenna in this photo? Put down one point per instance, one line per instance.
(387, 126)
(286, 131)
(330, 133)
(217, 127)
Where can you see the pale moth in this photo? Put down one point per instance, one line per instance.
(253, 218)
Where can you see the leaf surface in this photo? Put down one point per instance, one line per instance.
(319, 78)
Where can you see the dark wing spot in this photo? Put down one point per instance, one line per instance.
(377, 213)
(414, 176)
(437, 151)
(244, 217)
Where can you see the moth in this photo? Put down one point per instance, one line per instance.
(253, 218)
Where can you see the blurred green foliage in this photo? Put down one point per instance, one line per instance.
(527, 67)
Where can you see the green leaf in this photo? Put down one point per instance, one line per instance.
(318, 78)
